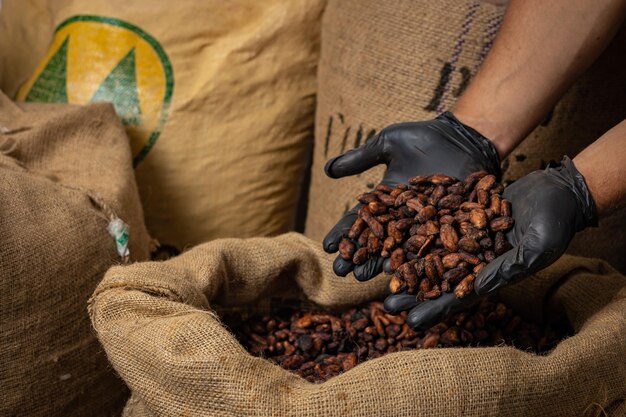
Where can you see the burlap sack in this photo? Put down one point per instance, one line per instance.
(63, 173)
(407, 60)
(156, 324)
(217, 98)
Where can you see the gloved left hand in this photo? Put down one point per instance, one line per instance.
(443, 145)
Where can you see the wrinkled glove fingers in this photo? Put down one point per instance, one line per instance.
(397, 303)
(372, 267)
(341, 267)
(430, 312)
(340, 230)
(356, 160)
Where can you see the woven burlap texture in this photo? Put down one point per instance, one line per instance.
(157, 327)
(64, 170)
(218, 99)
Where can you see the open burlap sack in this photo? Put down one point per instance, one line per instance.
(217, 97)
(157, 327)
(64, 173)
(409, 60)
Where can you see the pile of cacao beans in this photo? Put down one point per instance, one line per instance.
(438, 232)
(320, 345)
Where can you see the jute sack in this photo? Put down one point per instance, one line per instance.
(383, 63)
(156, 323)
(65, 173)
(217, 98)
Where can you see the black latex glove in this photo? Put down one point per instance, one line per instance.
(549, 207)
(440, 146)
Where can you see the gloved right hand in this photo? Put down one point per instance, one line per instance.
(440, 146)
(549, 207)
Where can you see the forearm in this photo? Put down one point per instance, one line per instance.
(541, 48)
(603, 164)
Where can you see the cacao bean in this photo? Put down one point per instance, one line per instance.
(433, 226)
(337, 343)
(346, 249)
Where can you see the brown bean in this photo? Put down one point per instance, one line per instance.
(393, 232)
(415, 204)
(465, 287)
(376, 207)
(469, 245)
(497, 189)
(415, 242)
(469, 206)
(426, 245)
(482, 196)
(447, 219)
(362, 240)
(486, 243)
(388, 246)
(438, 265)
(396, 285)
(346, 249)
(367, 198)
(430, 341)
(469, 258)
(376, 228)
(486, 182)
(441, 179)
(404, 224)
(436, 195)
(461, 217)
(425, 214)
(432, 294)
(505, 208)
(360, 256)
(373, 244)
(431, 270)
(449, 237)
(431, 228)
(501, 224)
(404, 197)
(397, 258)
(451, 201)
(357, 228)
(478, 218)
(385, 218)
(385, 189)
(451, 260)
(495, 204)
(455, 275)
(419, 180)
(387, 200)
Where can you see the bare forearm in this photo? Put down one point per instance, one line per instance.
(603, 164)
(541, 48)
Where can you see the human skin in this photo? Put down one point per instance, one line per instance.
(540, 50)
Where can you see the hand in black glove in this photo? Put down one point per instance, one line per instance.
(549, 207)
(440, 146)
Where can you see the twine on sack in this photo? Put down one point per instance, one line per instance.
(117, 228)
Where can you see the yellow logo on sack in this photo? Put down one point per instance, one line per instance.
(95, 58)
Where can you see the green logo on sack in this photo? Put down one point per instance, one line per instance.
(94, 59)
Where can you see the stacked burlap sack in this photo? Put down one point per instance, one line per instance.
(65, 175)
(383, 63)
(158, 328)
(217, 97)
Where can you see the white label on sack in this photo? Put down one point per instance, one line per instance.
(119, 231)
